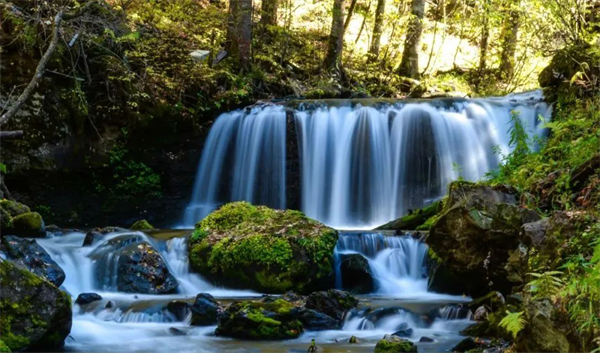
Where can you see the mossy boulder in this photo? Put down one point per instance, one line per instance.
(8, 210)
(29, 224)
(394, 344)
(142, 224)
(475, 232)
(415, 220)
(271, 251)
(543, 331)
(268, 319)
(35, 314)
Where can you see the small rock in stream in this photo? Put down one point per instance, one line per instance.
(86, 298)
(177, 332)
(426, 339)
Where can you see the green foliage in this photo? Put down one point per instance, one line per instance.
(513, 322)
(545, 284)
(142, 224)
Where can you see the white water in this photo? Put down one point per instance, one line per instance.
(361, 166)
(128, 322)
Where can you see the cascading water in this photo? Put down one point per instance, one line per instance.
(362, 163)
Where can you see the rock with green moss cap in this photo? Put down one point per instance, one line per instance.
(142, 224)
(30, 224)
(394, 344)
(10, 209)
(36, 316)
(268, 319)
(474, 233)
(420, 219)
(267, 250)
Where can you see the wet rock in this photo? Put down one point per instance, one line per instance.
(425, 339)
(353, 340)
(356, 274)
(394, 344)
(110, 229)
(86, 298)
(180, 309)
(480, 314)
(465, 345)
(141, 269)
(403, 330)
(129, 263)
(284, 250)
(36, 316)
(315, 321)
(333, 302)
(90, 237)
(474, 233)
(259, 320)
(205, 310)
(109, 305)
(142, 224)
(177, 332)
(28, 254)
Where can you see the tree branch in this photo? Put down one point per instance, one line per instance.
(39, 72)
(11, 135)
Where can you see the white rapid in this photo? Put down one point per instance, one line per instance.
(361, 163)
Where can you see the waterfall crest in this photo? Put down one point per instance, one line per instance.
(361, 163)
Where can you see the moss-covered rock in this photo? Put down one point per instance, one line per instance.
(474, 233)
(272, 251)
(260, 320)
(142, 224)
(35, 314)
(394, 344)
(28, 224)
(10, 209)
(420, 219)
(28, 254)
(543, 332)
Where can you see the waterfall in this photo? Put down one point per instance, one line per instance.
(360, 163)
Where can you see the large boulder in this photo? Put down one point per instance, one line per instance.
(8, 210)
(260, 320)
(394, 344)
(28, 254)
(313, 320)
(356, 274)
(271, 251)
(135, 264)
(475, 232)
(36, 315)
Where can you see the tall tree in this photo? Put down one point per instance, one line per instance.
(239, 31)
(510, 35)
(349, 15)
(409, 66)
(268, 15)
(377, 30)
(336, 37)
(485, 36)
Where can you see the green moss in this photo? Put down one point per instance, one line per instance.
(28, 222)
(141, 225)
(13, 208)
(417, 219)
(269, 250)
(384, 346)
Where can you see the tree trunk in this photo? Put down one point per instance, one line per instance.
(409, 66)
(510, 35)
(268, 15)
(377, 30)
(336, 37)
(349, 15)
(239, 31)
(485, 36)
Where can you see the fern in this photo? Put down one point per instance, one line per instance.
(513, 322)
(545, 284)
